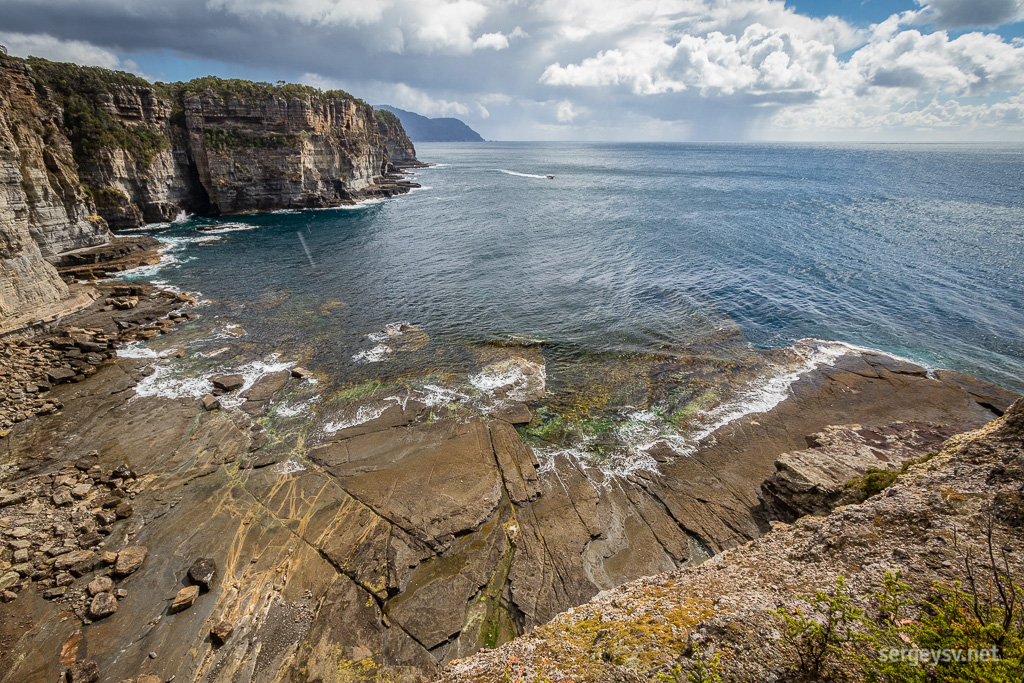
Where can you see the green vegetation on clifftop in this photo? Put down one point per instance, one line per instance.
(82, 93)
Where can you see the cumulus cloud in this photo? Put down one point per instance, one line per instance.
(584, 68)
(762, 60)
(970, 13)
(492, 41)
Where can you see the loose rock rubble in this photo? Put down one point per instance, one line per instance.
(54, 528)
(31, 367)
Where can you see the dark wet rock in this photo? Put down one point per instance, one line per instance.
(83, 672)
(185, 598)
(130, 560)
(988, 395)
(813, 481)
(259, 395)
(221, 631)
(202, 572)
(102, 606)
(513, 413)
(210, 402)
(59, 375)
(228, 383)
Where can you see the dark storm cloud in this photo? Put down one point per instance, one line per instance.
(555, 68)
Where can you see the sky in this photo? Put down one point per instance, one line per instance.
(616, 70)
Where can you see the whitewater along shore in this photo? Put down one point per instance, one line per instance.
(396, 543)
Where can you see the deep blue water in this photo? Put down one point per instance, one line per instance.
(913, 249)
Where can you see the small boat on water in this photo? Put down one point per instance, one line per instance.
(550, 177)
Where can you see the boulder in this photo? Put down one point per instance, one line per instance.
(184, 599)
(129, 560)
(813, 481)
(102, 606)
(202, 572)
(101, 584)
(68, 560)
(227, 383)
(221, 631)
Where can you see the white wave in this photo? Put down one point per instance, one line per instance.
(285, 211)
(251, 373)
(221, 228)
(522, 175)
(168, 259)
(181, 217)
(378, 353)
(432, 395)
(765, 393)
(519, 379)
(298, 408)
(362, 204)
(162, 383)
(363, 414)
(137, 350)
(289, 467)
(228, 331)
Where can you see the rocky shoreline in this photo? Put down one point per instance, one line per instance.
(955, 517)
(355, 549)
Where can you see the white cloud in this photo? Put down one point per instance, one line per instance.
(398, 95)
(492, 41)
(970, 13)
(718, 68)
(77, 51)
(762, 60)
(566, 112)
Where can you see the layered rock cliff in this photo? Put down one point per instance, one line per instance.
(44, 210)
(401, 151)
(87, 148)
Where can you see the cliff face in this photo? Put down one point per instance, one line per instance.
(44, 210)
(148, 152)
(399, 146)
(84, 148)
(280, 153)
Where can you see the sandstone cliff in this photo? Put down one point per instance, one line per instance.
(43, 208)
(401, 151)
(87, 148)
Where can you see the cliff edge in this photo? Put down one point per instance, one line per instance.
(827, 598)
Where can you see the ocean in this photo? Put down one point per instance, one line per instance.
(660, 288)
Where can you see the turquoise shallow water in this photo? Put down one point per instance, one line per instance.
(634, 248)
